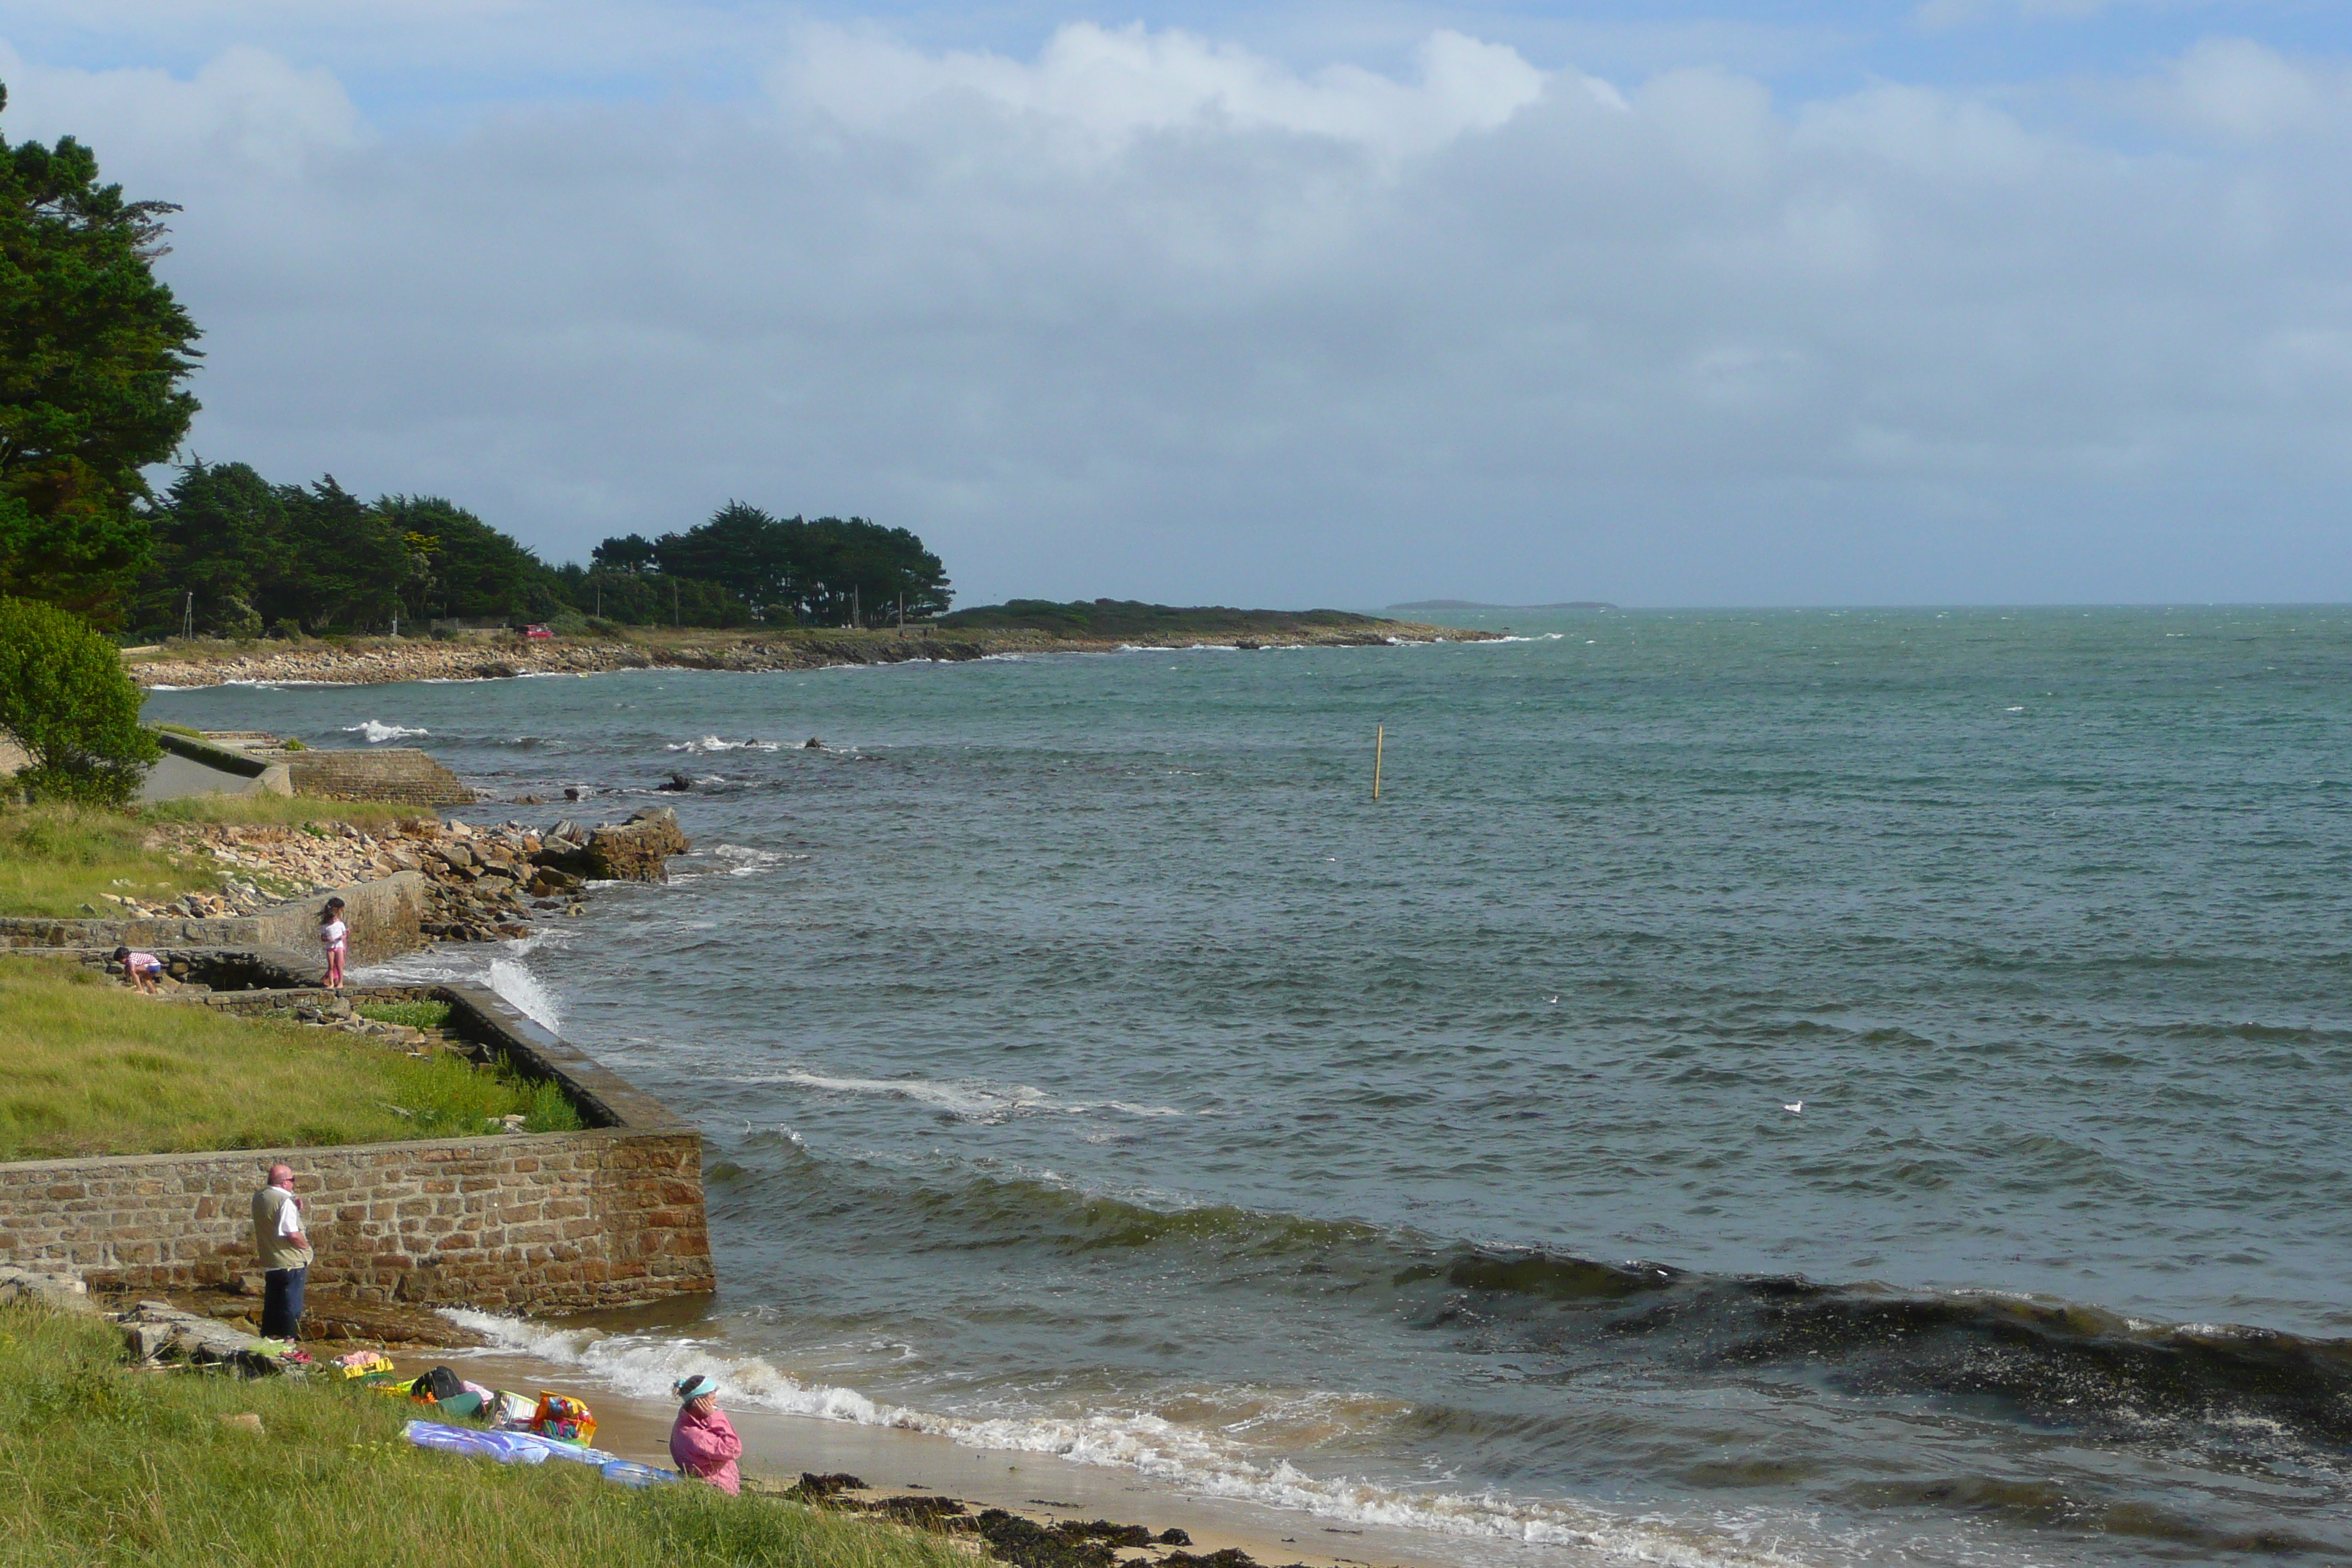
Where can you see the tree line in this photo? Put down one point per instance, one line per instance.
(236, 555)
(95, 359)
(95, 356)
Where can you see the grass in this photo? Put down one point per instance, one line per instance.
(412, 1014)
(55, 858)
(96, 1068)
(101, 1466)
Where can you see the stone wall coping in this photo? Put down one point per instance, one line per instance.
(261, 1158)
(601, 1095)
(211, 753)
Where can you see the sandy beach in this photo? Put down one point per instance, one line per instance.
(778, 1448)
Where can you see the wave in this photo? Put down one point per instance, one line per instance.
(513, 980)
(377, 733)
(966, 1101)
(736, 859)
(2029, 1360)
(1175, 1453)
(709, 743)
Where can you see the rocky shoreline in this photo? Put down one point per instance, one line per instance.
(481, 883)
(376, 661)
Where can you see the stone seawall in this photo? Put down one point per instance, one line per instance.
(550, 1222)
(395, 774)
(385, 915)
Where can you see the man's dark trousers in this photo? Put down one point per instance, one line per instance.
(281, 1303)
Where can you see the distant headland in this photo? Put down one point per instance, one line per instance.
(1017, 626)
(1474, 604)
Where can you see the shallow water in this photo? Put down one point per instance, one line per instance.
(1086, 1063)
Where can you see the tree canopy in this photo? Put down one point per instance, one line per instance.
(826, 572)
(93, 352)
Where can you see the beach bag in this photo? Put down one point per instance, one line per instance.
(564, 1419)
(507, 1409)
(437, 1385)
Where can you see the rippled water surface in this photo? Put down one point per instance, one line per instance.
(1088, 1063)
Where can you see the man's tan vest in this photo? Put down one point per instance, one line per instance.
(276, 1252)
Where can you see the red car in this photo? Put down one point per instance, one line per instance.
(537, 632)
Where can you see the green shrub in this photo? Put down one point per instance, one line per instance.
(409, 1015)
(549, 1111)
(64, 697)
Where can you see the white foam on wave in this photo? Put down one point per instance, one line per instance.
(714, 744)
(377, 735)
(735, 860)
(969, 1101)
(1177, 647)
(512, 979)
(1166, 1451)
(1540, 637)
(499, 966)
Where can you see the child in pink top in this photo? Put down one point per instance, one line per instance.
(331, 934)
(702, 1441)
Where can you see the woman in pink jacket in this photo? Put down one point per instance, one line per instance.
(702, 1441)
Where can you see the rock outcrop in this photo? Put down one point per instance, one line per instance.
(635, 851)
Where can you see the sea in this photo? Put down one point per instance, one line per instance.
(1756, 1087)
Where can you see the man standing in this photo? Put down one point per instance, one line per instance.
(278, 1236)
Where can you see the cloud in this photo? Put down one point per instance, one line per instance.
(1149, 313)
(246, 110)
(2237, 89)
(1111, 84)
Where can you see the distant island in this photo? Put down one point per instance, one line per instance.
(1474, 604)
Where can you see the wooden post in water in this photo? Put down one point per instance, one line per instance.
(1380, 740)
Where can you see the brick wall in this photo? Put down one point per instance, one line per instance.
(550, 1222)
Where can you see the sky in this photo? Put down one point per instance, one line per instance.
(1687, 302)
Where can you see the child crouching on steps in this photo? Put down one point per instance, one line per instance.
(331, 934)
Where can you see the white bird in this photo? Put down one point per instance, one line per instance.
(1553, 1000)
(1796, 1110)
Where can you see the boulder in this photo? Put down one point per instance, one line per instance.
(634, 850)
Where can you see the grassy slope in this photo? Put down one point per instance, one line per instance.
(87, 1067)
(101, 1465)
(55, 858)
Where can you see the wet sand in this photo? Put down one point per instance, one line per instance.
(1041, 1487)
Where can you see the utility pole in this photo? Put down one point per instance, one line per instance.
(853, 606)
(188, 617)
(676, 617)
